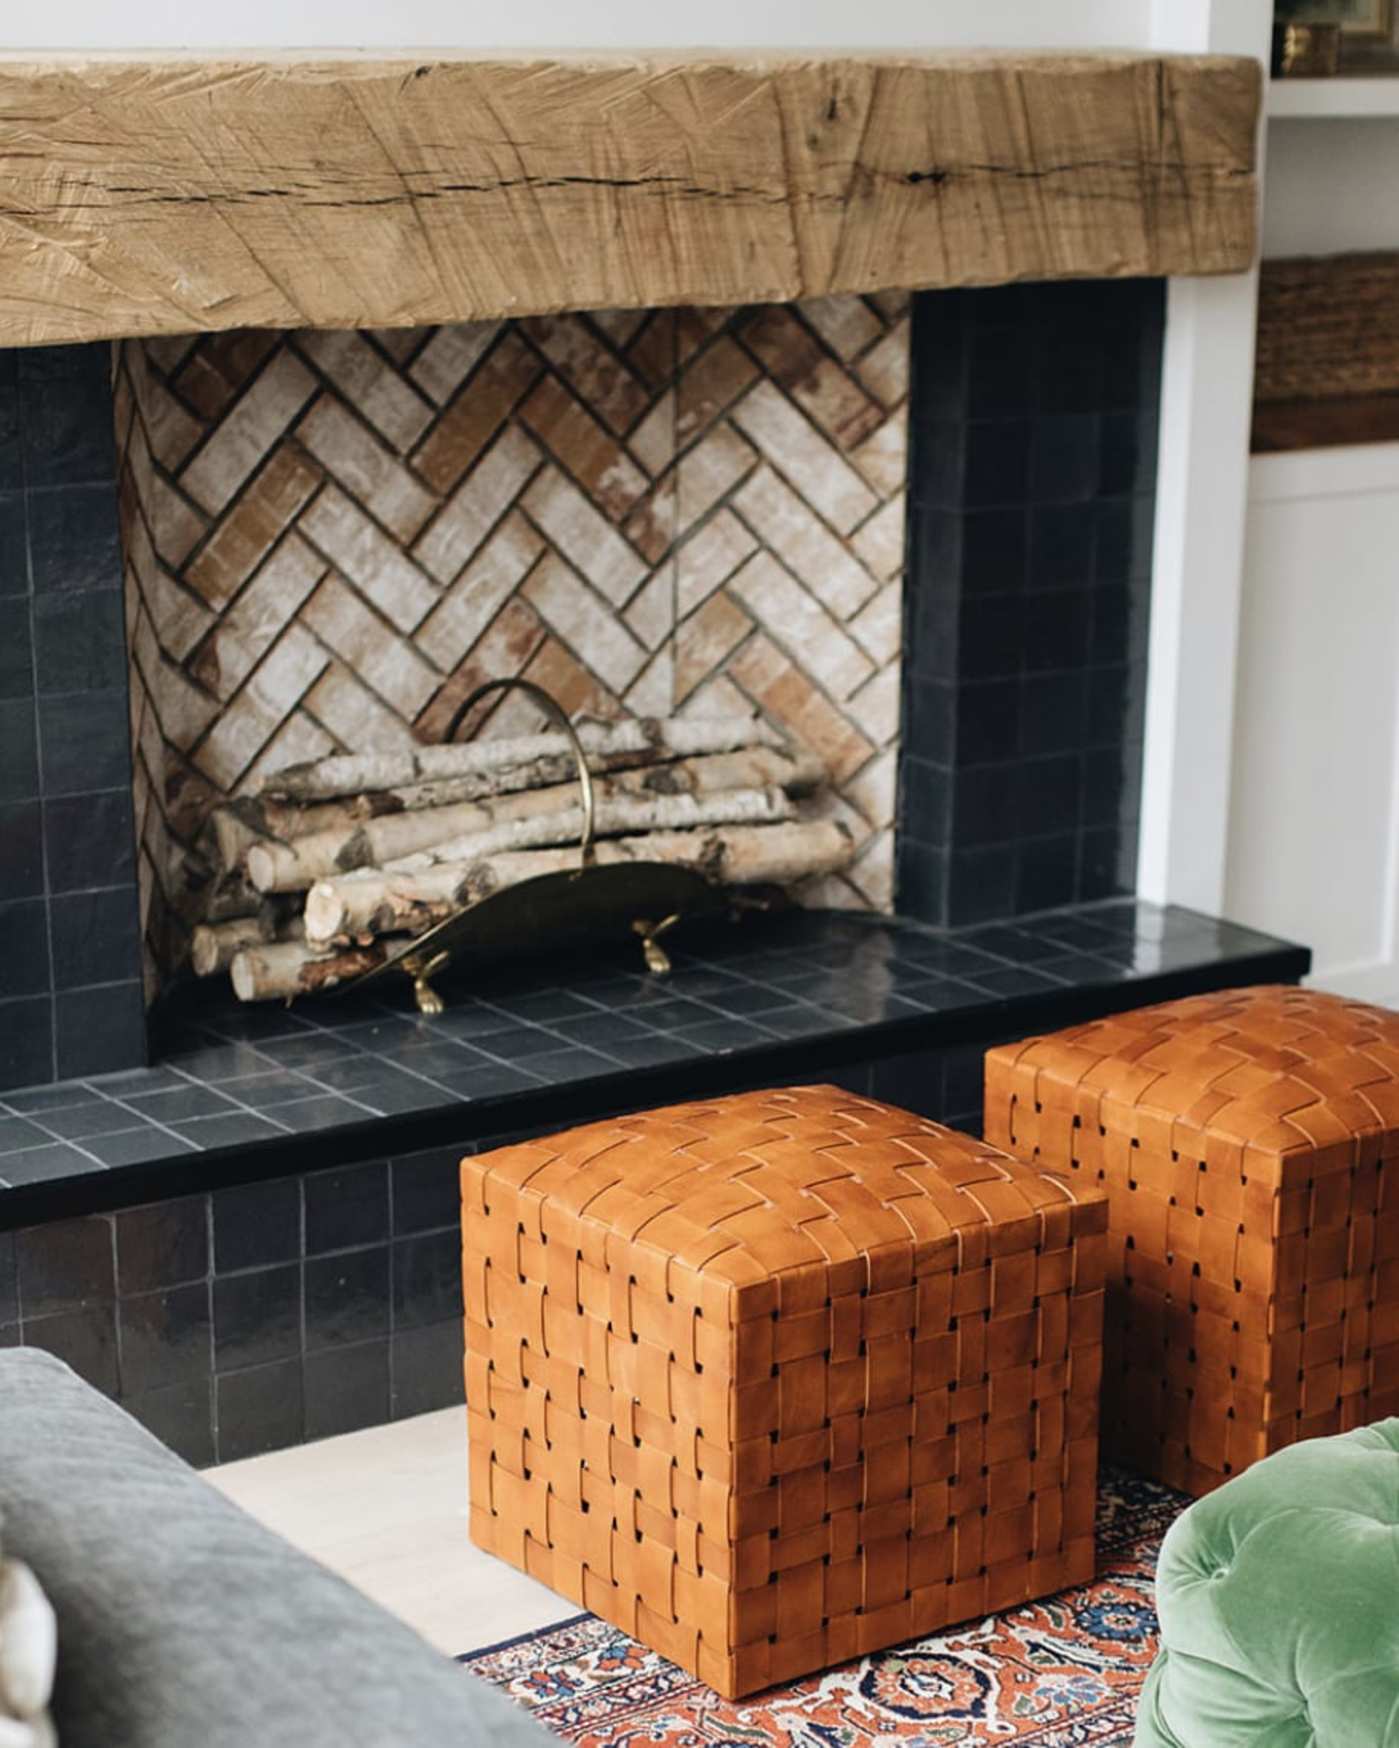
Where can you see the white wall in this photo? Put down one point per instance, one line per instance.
(1314, 824)
(68, 24)
(1332, 186)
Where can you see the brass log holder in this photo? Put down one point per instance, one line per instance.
(572, 907)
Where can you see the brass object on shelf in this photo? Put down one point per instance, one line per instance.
(1306, 51)
(559, 910)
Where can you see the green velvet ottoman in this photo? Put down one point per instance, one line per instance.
(1279, 1603)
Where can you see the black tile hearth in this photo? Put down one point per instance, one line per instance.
(308, 1282)
(245, 1098)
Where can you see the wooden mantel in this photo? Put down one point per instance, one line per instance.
(169, 195)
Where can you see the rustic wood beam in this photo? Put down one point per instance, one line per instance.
(171, 195)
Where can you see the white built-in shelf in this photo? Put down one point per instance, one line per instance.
(1341, 97)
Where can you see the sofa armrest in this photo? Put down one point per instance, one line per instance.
(185, 1624)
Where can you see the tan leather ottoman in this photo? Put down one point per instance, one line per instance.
(776, 1380)
(1249, 1146)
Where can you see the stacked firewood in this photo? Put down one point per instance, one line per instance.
(336, 864)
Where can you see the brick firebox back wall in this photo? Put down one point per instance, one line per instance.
(331, 537)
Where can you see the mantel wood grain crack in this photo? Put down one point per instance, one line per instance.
(169, 195)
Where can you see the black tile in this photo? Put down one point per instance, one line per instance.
(21, 850)
(32, 1100)
(162, 1244)
(347, 1389)
(97, 1031)
(310, 1116)
(9, 1281)
(925, 800)
(178, 1104)
(988, 721)
(74, 543)
(257, 1317)
(69, 432)
(81, 1122)
(1056, 630)
(24, 946)
(255, 1224)
(19, 750)
(1053, 712)
(85, 1339)
(79, 640)
(997, 469)
(96, 938)
(995, 550)
(84, 742)
(234, 1131)
(1047, 793)
(14, 543)
(991, 637)
(260, 1410)
(1109, 860)
(985, 810)
(1066, 462)
(1128, 460)
(347, 1297)
(428, 1369)
(165, 1338)
(981, 884)
(135, 1146)
(264, 1092)
(346, 1207)
(1061, 545)
(58, 1162)
(1069, 375)
(16, 648)
(427, 1190)
(1047, 872)
(921, 880)
(487, 1083)
(426, 1279)
(65, 1264)
(220, 1062)
(181, 1416)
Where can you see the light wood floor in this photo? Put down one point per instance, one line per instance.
(386, 1509)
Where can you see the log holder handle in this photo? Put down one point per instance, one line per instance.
(561, 720)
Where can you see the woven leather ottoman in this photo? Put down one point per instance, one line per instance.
(1249, 1146)
(775, 1380)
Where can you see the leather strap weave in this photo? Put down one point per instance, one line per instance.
(1247, 1142)
(775, 1380)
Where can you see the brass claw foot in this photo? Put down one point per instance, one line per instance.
(427, 998)
(657, 959)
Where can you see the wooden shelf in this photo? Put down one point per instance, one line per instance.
(1324, 424)
(1344, 97)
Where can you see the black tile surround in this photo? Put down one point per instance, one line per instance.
(1032, 479)
(70, 943)
(256, 1243)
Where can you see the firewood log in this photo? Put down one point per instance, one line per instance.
(528, 760)
(376, 901)
(365, 841)
(625, 815)
(290, 968)
(213, 945)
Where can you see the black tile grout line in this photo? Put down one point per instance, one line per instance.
(463, 1122)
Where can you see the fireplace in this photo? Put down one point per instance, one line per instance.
(914, 528)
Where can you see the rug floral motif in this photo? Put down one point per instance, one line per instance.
(1064, 1672)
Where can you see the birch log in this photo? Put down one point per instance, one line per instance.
(625, 814)
(290, 968)
(296, 864)
(212, 946)
(521, 761)
(374, 901)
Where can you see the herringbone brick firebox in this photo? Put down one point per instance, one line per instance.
(332, 537)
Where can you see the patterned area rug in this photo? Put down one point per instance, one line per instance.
(1062, 1673)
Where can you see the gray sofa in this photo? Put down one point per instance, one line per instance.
(184, 1624)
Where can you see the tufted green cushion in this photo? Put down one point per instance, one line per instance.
(1279, 1604)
